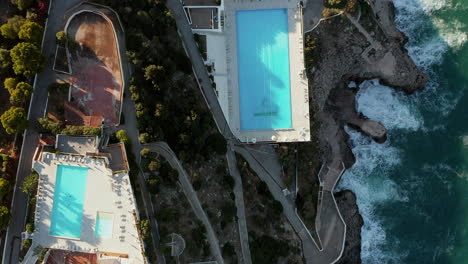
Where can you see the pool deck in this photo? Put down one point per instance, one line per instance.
(105, 192)
(300, 130)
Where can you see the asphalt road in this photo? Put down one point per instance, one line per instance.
(31, 135)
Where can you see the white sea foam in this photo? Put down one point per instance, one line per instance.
(431, 37)
(383, 104)
(367, 178)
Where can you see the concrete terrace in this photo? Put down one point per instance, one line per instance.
(105, 192)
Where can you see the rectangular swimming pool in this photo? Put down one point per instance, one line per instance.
(104, 224)
(263, 69)
(69, 194)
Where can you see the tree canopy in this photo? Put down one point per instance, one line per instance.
(14, 120)
(10, 83)
(5, 61)
(22, 4)
(27, 59)
(4, 187)
(21, 93)
(31, 32)
(122, 136)
(4, 217)
(30, 183)
(10, 29)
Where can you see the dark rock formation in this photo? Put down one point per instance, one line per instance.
(346, 201)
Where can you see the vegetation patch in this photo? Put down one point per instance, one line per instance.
(271, 238)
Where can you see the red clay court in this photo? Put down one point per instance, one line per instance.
(97, 78)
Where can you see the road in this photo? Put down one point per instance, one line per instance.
(31, 135)
(164, 150)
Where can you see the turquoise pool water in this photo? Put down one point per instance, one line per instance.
(69, 194)
(104, 223)
(263, 69)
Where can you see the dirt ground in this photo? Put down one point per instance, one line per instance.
(212, 183)
(96, 79)
(263, 220)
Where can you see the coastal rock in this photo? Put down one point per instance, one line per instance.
(346, 201)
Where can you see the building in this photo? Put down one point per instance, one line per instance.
(85, 206)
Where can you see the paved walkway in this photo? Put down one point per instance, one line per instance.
(31, 135)
(239, 195)
(164, 150)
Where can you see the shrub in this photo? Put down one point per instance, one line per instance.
(14, 120)
(61, 38)
(27, 59)
(50, 126)
(145, 229)
(30, 183)
(81, 130)
(154, 165)
(29, 227)
(122, 137)
(25, 244)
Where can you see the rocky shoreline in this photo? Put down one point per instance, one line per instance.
(361, 45)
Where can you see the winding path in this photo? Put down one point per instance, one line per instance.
(164, 150)
(239, 195)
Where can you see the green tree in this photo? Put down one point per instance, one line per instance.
(21, 94)
(61, 38)
(4, 217)
(122, 136)
(154, 165)
(144, 138)
(152, 186)
(154, 74)
(4, 187)
(12, 27)
(27, 59)
(32, 32)
(145, 229)
(145, 152)
(5, 61)
(30, 183)
(10, 83)
(14, 120)
(22, 4)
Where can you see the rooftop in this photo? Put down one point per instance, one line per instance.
(78, 145)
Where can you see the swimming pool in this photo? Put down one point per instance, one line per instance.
(104, 224)
(69, 194)
(263, 69)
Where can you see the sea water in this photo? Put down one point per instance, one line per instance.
(412, 191)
